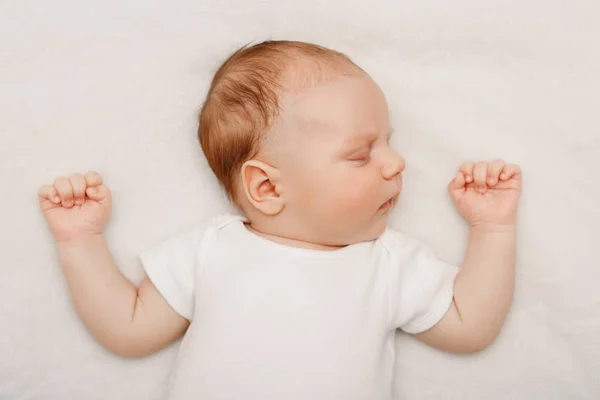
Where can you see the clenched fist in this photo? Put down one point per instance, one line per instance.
(487, 194)
(76, 207)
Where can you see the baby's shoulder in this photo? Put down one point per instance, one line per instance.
(220, 221)
(201, 231)
(393, 237)
(397, 242)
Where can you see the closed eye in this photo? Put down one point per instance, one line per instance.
(360, 157)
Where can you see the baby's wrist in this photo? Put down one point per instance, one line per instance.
(490, 227)
(81, 240)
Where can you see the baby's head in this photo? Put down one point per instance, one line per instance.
(298, 135)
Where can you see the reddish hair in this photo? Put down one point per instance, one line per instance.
(243, 100)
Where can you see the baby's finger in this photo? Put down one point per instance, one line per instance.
(100, 194)
(480, 176)
(467, 170)
(65, 191)
(510, 171)
(457, 187)
(48, 192)
(494, 170)
(93, 178)
(458, 182)
(78, 183)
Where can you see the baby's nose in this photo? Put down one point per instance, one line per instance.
(393, 166)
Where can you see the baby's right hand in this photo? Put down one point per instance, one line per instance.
(76, 207)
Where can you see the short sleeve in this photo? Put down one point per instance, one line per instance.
(421, 285)
(172, 266)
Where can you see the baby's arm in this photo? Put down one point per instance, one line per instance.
(482, 293)
(127, 321)
(487, 196)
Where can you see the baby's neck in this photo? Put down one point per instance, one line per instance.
(286, 241)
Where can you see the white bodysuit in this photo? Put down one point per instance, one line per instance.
(272, 322)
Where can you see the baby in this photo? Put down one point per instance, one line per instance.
(301, 296)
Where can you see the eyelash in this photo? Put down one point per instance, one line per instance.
(363, 160)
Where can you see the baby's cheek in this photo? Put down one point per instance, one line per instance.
(357, 197)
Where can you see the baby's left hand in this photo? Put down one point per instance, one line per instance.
(487, 194)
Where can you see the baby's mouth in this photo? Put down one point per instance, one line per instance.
(390, 203)
(386, 205)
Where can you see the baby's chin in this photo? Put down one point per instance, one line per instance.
(380, 229)
(374, 232)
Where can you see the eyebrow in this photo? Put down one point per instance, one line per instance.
(364, 138)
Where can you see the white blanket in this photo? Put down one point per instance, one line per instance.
(115, 87)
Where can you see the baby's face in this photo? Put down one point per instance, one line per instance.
(340, 178)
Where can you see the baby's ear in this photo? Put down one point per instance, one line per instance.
(259, 182)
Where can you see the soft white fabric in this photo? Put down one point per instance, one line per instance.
(115, 86)
(270, 321)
